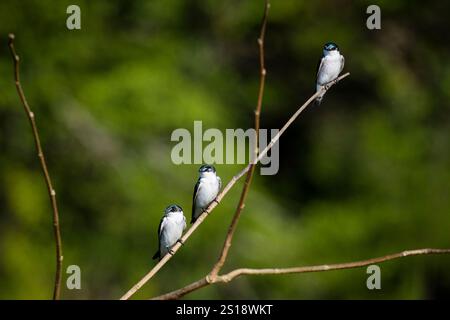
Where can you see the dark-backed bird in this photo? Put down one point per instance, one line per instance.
(170, 230)
(329, 67)
(206, 190)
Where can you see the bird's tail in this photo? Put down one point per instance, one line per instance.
(156, 255)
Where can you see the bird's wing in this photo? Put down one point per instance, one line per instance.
(160, 227)
(194, 197)
(319, 66)
(342, 63)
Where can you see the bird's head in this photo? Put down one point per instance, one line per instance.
(173, 209)
(330, 47)
(206, 170)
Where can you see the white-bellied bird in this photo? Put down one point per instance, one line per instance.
(170, 230)
(329, 67)
(206, 190)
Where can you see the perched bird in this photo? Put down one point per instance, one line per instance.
(206, 190)
(170, 230)
(329, 67)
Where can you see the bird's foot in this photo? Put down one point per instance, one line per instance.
(331, 83)
(180, 242)
(170, 251)
(216, 201)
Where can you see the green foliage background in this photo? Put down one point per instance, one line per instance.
(365, 174)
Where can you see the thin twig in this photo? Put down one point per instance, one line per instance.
(225, 190)
(48, 181)
(276, 271)
(248, 180)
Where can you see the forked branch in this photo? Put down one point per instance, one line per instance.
(276, 271)
(248, 180)
(225, 190)
(248, 169)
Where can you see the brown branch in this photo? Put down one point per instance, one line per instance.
(296, 114)
(48, 181)
(225, 190)
(186, 236)
(276, 271)
(248, 169)
(248, 180)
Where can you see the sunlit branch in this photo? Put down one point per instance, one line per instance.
(230, 276)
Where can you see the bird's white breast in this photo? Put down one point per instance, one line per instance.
(171, 230)
(208, 190)
(331, 67)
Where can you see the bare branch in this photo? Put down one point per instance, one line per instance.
(248, 180)
(276, 271)
(225, 190)
(41, 156)
(249, 169)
